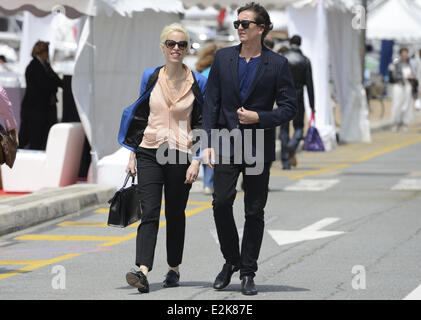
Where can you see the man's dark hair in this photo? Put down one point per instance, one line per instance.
(269, 43)
(3, 58)
(262, 16)
(403, 49)
(295, 40)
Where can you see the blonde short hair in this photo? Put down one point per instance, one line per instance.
(175, 27)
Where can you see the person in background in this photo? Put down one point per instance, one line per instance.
(300, 67)
(168, 109)
(401, 73)
(418, 98)
(6, 112)
(39, 104)
(203, 65)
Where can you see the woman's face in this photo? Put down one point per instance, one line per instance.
(404, 55)
(175, 47)
(44, 55)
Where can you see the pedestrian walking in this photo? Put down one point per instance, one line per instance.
(39, 104)
(402, 76)
(6, 112)
(203, 65)
(301, 71)
(244, 82)
(169, 107)
(418, 77)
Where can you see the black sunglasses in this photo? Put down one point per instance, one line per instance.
(170, 44)
(244, 23)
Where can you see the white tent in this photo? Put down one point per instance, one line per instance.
(120, 39)
(398, 20)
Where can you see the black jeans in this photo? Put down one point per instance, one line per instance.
(255, 197)
(153, 177)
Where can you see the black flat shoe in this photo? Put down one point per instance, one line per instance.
(248, 287)
(172, 279)
(224, 277)
(138, 280)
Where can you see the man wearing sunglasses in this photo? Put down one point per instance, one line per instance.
(243, 84)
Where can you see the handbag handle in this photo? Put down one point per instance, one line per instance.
(127, 179)
(312, 120)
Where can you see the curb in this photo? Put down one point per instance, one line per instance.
(47, 204)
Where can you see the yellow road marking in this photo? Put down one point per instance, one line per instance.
(389, 149)
(359, 160)
(31, 265)
(35, 264)
(41, 237)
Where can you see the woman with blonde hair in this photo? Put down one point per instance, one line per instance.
(168, 109)
(203, 65)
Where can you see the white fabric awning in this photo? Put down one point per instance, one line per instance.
(270, 4)
(398, 20)
(77, 8)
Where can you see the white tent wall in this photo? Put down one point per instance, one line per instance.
(107, 82)
(330, 40)
(345, 59)
(310, 23)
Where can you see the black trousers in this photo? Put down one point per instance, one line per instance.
(152, 179)
(255, 197)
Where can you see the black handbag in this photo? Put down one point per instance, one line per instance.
(125, 206)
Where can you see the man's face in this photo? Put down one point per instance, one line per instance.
(404, 55)
(253, 32)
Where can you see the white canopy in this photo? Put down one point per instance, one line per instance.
(77, 8)
(269, 4)
(398, 20)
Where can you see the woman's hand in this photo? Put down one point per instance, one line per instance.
(192, 171)
(131, 166)
(14, 133)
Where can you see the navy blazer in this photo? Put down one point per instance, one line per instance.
(272, 83)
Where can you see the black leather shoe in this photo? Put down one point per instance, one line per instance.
(172, 279)
(224, 277)
(247, 286)
(138, 280)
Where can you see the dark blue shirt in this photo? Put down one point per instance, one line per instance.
(246, 73)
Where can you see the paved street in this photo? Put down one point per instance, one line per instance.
(342, 225)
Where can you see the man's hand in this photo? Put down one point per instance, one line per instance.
(208, 157)
(247, 117)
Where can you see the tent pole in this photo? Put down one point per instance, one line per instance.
(363, 40)
(94, 155)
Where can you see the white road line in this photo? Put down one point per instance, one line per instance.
(311, 232)
(408, 185)
(312, 185)
(320, 224)
(414, 295)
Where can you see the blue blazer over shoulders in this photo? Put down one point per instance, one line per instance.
(134, 119)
